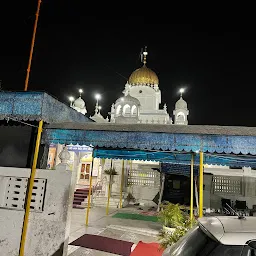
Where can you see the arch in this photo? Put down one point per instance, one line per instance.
(118, 110)
(181, 117)
(134, 110)
(126, 109)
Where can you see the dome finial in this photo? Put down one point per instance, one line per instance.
(181, 91)
(145, 53)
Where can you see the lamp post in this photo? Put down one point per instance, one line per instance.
(97, 97)
(182, 90)
(71, 99)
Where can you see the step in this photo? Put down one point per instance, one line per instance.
(82, 189)
(82, 192)
(78, 199)
(80, 195)
(78, 206)
(77, 202)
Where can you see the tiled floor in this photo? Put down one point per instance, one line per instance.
(127, 230)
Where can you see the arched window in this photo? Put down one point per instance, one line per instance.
(181, 117)
(126, 109)
(118, 110)
(134, 110)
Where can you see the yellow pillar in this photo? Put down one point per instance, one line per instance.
(30, 190)
(192, 188)
(201, 184)
(121, 186)
(89, 196)
(109, 188)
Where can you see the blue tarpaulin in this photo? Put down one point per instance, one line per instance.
(36, 106)
(175, 157)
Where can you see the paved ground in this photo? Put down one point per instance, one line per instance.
(100, 224)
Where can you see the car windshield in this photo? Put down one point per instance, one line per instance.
(195, 242)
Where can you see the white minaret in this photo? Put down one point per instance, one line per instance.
(78, 104)
(97, 117)
(181, 111)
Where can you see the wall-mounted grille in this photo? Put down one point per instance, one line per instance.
(227, 185)
(16, 190)
(142, 178)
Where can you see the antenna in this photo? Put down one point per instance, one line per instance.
(239, 216)
(145, 53)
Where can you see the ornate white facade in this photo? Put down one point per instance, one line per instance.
(79, 104)
(97, 117)
(181, 112)
(140, 103)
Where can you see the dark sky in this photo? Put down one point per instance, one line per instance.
(74, 50)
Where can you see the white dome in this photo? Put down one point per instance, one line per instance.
(79, 103)
(181, 104)
(128, 99)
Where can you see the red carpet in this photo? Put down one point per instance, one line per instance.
(104, 244)
(151, 249)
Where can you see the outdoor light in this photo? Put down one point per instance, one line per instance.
(182, 90)
(197, 151)
(100, 107)
(80, 91)
(97, 96)
(122, 99)
(71, 98)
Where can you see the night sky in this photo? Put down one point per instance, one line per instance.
(216, 62)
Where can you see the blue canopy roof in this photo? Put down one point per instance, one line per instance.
(143, 140)
(35, 106)
(180, 158)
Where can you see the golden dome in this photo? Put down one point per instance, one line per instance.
(143, 76)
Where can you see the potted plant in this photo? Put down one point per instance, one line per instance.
(175, 224)
(111, 171)
(130, 198)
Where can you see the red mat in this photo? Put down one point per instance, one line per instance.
(151, 249)
(104, 244)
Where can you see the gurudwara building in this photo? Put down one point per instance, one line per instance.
(140, 104)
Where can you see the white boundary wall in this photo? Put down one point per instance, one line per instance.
(48, 228)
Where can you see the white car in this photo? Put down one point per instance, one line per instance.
(218, 236)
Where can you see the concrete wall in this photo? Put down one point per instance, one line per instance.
(207, 190)
(248, 187)
(47, 231)
(145, 194)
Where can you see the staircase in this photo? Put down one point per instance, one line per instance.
(79, 197)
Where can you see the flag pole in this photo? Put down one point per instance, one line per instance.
(32, 45)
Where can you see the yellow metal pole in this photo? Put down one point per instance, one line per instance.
(32, 45)
(201, 184)
(109, 188)
(121, 187)
(89, 195)
(30, 189)
(192, 188)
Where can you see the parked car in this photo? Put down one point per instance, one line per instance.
(218, 236)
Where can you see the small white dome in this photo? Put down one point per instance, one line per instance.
(181, 104)
(79, 103)
(128, 99)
